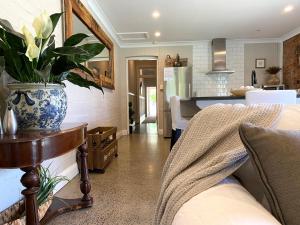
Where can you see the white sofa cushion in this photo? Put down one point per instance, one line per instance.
(227, 203)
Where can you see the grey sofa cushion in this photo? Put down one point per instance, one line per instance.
(275, 155)
(250, 180)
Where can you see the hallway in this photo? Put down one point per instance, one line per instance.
(126, 194)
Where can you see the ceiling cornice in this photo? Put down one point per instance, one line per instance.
(97, 10)
(290, 34)
(259, 40)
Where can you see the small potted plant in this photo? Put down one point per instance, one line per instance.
(38, 69)
(273, 79)
(15, 215)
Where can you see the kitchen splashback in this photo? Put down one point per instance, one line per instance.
(217, 84)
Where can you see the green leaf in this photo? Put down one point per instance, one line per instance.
(47, 55)
(62, 64)
(92, 50)
(13, 64)
(12, 40)
(2, 64)
(78, 80)
(55, 18)
(75, 39)
(45, 73)
(68, 50)
(85, 69)
(3, 46)
(8, 27)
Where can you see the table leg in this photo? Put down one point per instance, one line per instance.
(60, 205)
(30, 180)
(85, 185)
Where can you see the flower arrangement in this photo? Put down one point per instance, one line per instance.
(29, 58)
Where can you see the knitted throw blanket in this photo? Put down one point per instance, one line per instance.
(208, 151)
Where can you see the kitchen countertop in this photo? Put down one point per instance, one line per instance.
(231, 97)
(217, 98)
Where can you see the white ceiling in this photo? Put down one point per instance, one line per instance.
(192, 20)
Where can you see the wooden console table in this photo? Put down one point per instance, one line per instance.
(27, 150)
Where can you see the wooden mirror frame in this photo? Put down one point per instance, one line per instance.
(76, 7)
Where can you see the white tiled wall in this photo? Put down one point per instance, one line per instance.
(217, 84)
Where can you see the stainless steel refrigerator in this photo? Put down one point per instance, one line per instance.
(177, 82)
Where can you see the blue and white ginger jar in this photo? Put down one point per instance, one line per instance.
(37, 106)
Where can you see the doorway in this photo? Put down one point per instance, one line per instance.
(142, 95)
(151, 109)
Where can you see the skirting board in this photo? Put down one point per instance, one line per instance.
(70, 173)
(72, 170)
(121, 133)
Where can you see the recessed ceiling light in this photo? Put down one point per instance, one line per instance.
(157, 34)
(155, 14)
(288, 8)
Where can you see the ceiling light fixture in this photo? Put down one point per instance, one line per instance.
(288, 8)
(157, 34)
(155, 14)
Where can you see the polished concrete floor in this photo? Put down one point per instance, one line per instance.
(127, 192)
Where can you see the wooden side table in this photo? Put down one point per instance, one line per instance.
(27, 150)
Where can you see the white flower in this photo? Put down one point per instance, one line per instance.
(43, 25)
(28, 36)
(32, 51)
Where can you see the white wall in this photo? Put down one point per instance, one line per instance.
(83, 105)
(268, 51)
(217, 84)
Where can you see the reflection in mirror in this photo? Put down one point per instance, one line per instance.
(79, 20)
(99, 65)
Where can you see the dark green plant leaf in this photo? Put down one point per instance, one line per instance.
(2, 64)
(45, 73)
(47, 184)
(75, 39)
(68, 51)
(13, 64)
(47, 55)
(78, 80)
(55, 18)
(12, 40)
(85, 69)
(91, 49)
(8, 27)
(51, 42)
(28, 66)
(3, 46)
(62, 64)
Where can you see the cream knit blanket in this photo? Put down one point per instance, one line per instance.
(208, 151)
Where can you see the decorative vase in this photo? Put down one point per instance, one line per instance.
(273, 80)
(10, 124)
(38, 106)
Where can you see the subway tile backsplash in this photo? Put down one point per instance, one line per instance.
(217, 84)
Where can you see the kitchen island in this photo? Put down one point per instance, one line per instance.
(189, 106)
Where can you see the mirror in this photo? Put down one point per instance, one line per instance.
(79, 20)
